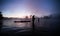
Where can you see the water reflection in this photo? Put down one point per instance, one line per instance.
(11, 23)
(27, 24)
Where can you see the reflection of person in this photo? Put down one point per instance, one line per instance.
(1, 17)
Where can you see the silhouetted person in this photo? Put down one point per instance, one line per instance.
(1, 17)
(38, 19)
(33, 27)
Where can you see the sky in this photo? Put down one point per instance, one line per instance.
(21, 8)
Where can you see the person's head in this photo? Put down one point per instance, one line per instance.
(0, 12)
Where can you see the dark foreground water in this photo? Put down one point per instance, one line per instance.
(45, 27)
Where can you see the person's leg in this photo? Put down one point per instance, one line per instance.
(0, 26)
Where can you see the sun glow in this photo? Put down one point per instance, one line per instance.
(18, 15)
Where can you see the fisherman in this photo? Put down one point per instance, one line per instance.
(38, 19)
(33, 26)
(1, 17)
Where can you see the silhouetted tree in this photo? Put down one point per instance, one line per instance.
(1, 17)
(46, 17)
(26, 17)
(30, 16)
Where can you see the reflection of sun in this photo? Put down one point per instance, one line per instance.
(20, 24)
